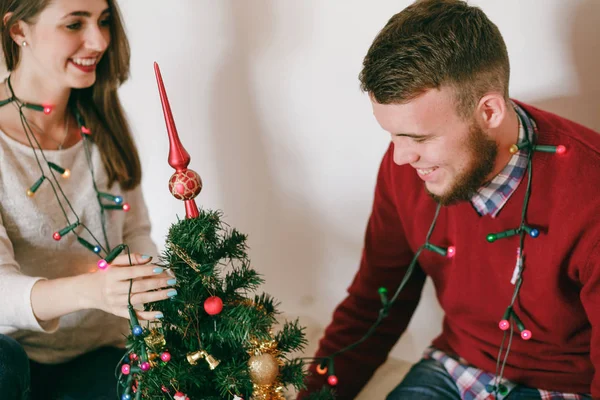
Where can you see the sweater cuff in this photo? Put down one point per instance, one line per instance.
(20, 315)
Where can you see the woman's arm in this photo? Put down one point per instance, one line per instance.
(106, 290)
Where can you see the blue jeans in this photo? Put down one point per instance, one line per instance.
(429, 380)
(90, 376)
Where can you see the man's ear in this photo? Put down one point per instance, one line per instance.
(491, 110)
(16, 31)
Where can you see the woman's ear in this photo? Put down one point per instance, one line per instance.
(16, 30)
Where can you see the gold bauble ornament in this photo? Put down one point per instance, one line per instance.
(155, 340)
(264, 369)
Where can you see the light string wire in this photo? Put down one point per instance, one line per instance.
(54, 182)
(56, 188)
(500, 365)
(384, 310)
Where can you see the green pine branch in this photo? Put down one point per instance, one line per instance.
(209, 259)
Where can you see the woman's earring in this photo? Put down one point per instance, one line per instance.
(24, 44)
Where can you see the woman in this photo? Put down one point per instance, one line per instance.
(62, 319)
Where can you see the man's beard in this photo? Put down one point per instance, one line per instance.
(483, 152)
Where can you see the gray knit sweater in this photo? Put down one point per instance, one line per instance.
(28, 251)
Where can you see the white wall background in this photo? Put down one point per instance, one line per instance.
(266, 100)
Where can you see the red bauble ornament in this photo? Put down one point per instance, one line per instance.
(165, 356)
(213, 305)
(185, 185)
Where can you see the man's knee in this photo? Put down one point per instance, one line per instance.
(428, 379)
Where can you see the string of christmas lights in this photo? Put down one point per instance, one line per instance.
(41, 159)
(327, 364)
(105, 201)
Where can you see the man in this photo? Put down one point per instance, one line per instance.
(517, 239)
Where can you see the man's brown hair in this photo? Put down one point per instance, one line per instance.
(435, 43)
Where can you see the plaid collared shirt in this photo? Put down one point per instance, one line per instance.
(471, 381)
(490, 199)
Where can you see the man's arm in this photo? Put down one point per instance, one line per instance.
(590, 297)
(386, 256)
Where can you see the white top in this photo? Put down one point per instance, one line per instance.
(29, 253)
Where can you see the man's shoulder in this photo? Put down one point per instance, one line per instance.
(561, 130)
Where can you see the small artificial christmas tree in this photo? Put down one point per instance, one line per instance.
(216, 339)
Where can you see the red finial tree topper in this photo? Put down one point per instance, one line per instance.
(184, 184)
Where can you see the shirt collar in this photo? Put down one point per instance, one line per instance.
(491, 197)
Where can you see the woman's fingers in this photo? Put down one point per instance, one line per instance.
(148, 284)
(142, 315)
(146, 297)
(127, 273)
(150, 297)
(149, 315)
(136, 259)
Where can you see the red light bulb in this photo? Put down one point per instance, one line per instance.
(451, 252)
(56, 236)
(561, 149)
(504, 325)
(126, 207)
(332, 380)
(47, 109)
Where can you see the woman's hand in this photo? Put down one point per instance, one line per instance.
(108, 289)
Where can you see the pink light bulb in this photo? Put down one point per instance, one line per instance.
(526, 334)
(560, 149)
(332, 380)
(47, 109)
(126, 207)
(451, 252)
(125, 369)
(85, 130)
(504, 325)
(102, 264)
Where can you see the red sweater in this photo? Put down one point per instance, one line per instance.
(559, 301)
